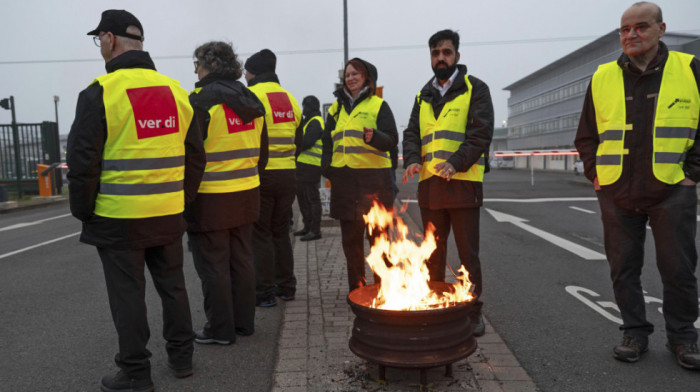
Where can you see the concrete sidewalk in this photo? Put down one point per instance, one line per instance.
(313, 353)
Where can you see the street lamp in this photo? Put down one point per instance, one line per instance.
(55, 104)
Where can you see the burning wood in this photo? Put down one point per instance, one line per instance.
(401, 265)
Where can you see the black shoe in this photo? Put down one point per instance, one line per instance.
(479, 326)
(631, 349)
(121, 382)
(266, 302)
(244, 331)
(311, 237)
(286, 297)
(301, 232)
(202, 338)
(181, 372)
(687, 355)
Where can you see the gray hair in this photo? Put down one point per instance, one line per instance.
(219, 57)
(130, 43)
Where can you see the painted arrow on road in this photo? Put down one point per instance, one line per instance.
(574, 248)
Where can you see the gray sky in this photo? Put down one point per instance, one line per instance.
(501, 42)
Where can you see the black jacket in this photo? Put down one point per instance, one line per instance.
(436, 192)
(84, 158)
(637, 187)
(221, 211)
(306, 172)
(353, 190)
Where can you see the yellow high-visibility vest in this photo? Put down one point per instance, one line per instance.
(349, 147)
(675, 123)
(442, 136)
(233, 151)
(282, 117)
(143, 166)
(312, 156)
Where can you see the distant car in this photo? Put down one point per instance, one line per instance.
(503, 162)
(578, 167)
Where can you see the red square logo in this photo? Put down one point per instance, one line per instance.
(234, 123)
(282, 111)
(155, 111)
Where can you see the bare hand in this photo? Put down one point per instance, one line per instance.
(687, 181)
(445, 170)
(410, 171)
(596, 185)
(369, 132)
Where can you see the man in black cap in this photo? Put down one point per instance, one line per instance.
(136, 157)
(309, 169)
(272, 247)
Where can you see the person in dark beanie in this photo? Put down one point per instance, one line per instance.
(136, 158)
(272, 247)
(220, 220)
(359, 133)
(309, 170)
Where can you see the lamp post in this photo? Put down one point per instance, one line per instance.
(55, 104)
(9, 104)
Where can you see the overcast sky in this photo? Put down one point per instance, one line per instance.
(45, 51)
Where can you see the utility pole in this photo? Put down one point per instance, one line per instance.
(345, 32)
(10, 104)
(55, 104)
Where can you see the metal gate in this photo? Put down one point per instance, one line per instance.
(20, 152)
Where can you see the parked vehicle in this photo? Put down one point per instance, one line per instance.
(503, 162)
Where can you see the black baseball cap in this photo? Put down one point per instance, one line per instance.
(116, 22)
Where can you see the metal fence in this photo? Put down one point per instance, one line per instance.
(20, 154)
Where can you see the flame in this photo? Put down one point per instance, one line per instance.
(401, 265)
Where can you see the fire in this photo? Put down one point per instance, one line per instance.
(401, 264)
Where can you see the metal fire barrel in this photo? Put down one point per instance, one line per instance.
(410, 339)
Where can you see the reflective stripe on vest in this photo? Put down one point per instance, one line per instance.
(675, 124)
(233, 151)
(143, 166)
(349, 147)
(441, 137)
(282, 117)
(312, 156)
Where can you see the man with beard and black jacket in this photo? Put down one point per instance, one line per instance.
(272, 247)
(309, 169)
(136, 158)
(220, 220)
(638, 140)
(452, 123)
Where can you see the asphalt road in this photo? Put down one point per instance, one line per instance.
(56, 331)
(547, 289)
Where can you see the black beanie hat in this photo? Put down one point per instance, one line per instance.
(310, 104)
(261, 62)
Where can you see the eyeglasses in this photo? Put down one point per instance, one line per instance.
(196, 65)
(639, 28)
(96, 40)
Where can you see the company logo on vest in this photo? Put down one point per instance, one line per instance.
(282, 110)
(234, 123)
(155, 111)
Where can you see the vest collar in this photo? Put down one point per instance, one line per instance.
(130, 59)
(264, 78)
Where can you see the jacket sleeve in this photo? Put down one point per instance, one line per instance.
(327, 156)
(84, 150)
(692, 160)
(195, 159)
(411, 138)
(586, 140)
(479, 131)
(385, 137)
(264, 149)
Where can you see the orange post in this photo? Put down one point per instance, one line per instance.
(45, 181)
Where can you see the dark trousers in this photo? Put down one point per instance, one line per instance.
(673, 224)
(126, 289)
(353, 238)
(309, 200)
(224, 262)
(464, 222)
(272, 247)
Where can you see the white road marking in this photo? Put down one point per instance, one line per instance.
(572, 247)
(38, 222)
(38, 245)
(582, 210)
(535, 200)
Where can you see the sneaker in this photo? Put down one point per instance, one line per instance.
(202, 338)
(479, 326)
(266, 302)
(301, 232)
(687, 355)
(311, 237)
(286, 297)
(631, 349)
(121, 382)
(182, 372)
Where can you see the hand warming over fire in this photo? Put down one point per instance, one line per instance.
(445, 170)
(410, 171)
